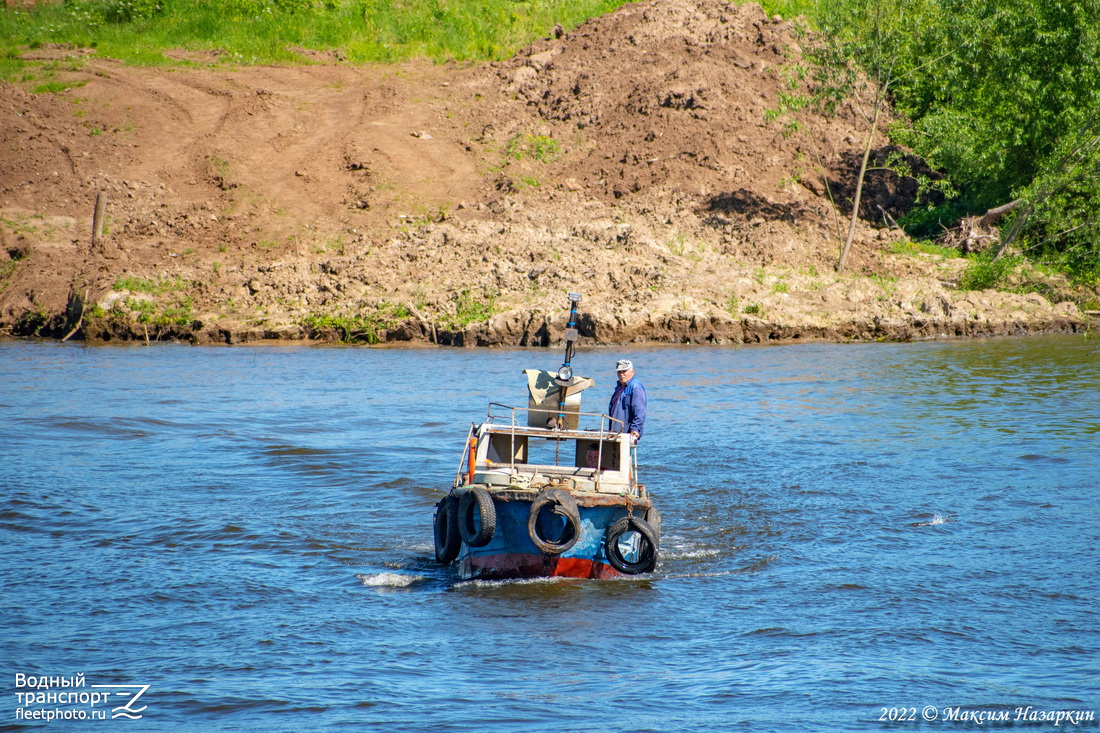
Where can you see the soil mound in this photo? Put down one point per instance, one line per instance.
(636, 159)
(673, 95)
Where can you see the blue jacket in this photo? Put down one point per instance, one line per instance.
(629, 406)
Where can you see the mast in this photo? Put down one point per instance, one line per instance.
(565, 373)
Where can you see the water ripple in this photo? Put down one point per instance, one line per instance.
(843, 526)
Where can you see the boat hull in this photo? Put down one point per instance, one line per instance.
(511, 553)
(514, 565)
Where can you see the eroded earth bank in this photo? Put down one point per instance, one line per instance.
(631, 159)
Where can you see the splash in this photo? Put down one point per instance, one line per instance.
(388, 580)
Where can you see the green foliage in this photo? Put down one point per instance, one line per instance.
(265, 31)
(365, 326)
(984, 271)
(1002, 98)
(153, 287)
(55, 87)
(7, 267)
(1006, 83)
(469, 308)
(733, 304)
(792, 8)
(19, 224)
(1007, 107)
(1081, 262)
(887, 284)
(910, 247)
(677, 245)
(536, 147)
(31, 322)
(932, 219)
(96, 12)
(174, 310)
(146, 311)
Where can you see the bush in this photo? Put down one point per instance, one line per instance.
(985, 272)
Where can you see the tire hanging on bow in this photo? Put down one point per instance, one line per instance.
(447, 540)
(646, 554)
(560, 503)
(480, 501)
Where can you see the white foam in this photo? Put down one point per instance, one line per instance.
(388, 580)
(483, 583)
(678, 554)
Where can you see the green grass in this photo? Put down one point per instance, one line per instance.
(536, 147)
(20, 224)
(888, 284)
(983, 272)
(910, 247)
(733, 304)
(150, 312)
(365, 326)
(31, 322)
(469, 308)
(55, 87)
(153, 287)
(266, 31)
(7, 267)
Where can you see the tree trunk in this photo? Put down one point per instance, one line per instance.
(994, 215)
(879, 99)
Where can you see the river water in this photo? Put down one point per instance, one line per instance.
(848, 529)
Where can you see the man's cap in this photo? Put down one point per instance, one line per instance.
(624, 365)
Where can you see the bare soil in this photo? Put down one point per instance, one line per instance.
(628, 160)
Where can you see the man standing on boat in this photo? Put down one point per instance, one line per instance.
(628, 402)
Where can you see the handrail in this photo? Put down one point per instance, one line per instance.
(513, 410)
(578, 433)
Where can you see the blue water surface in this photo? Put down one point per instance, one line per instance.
(847, 529)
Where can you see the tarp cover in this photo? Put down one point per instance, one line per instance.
(543, 394)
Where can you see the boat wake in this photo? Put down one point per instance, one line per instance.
(389, 580)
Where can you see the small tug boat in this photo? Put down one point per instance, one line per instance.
(548, 490)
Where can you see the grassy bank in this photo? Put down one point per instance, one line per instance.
(266, 31)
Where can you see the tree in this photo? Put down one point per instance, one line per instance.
(1009, 114)
(862, 43)
(999, 97)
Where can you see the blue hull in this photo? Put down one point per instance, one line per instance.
(512, 554)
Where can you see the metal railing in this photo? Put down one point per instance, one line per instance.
(515, 428)
(513, 410)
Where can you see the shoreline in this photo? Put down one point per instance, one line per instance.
(679, 332)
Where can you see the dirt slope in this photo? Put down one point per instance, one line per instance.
(629, 160)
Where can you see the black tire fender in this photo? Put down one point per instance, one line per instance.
(447, 540)
(564, 505)
(653, 519)
(647, 558)
(480, 500)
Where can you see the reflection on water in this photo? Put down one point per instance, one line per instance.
(846, 527)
